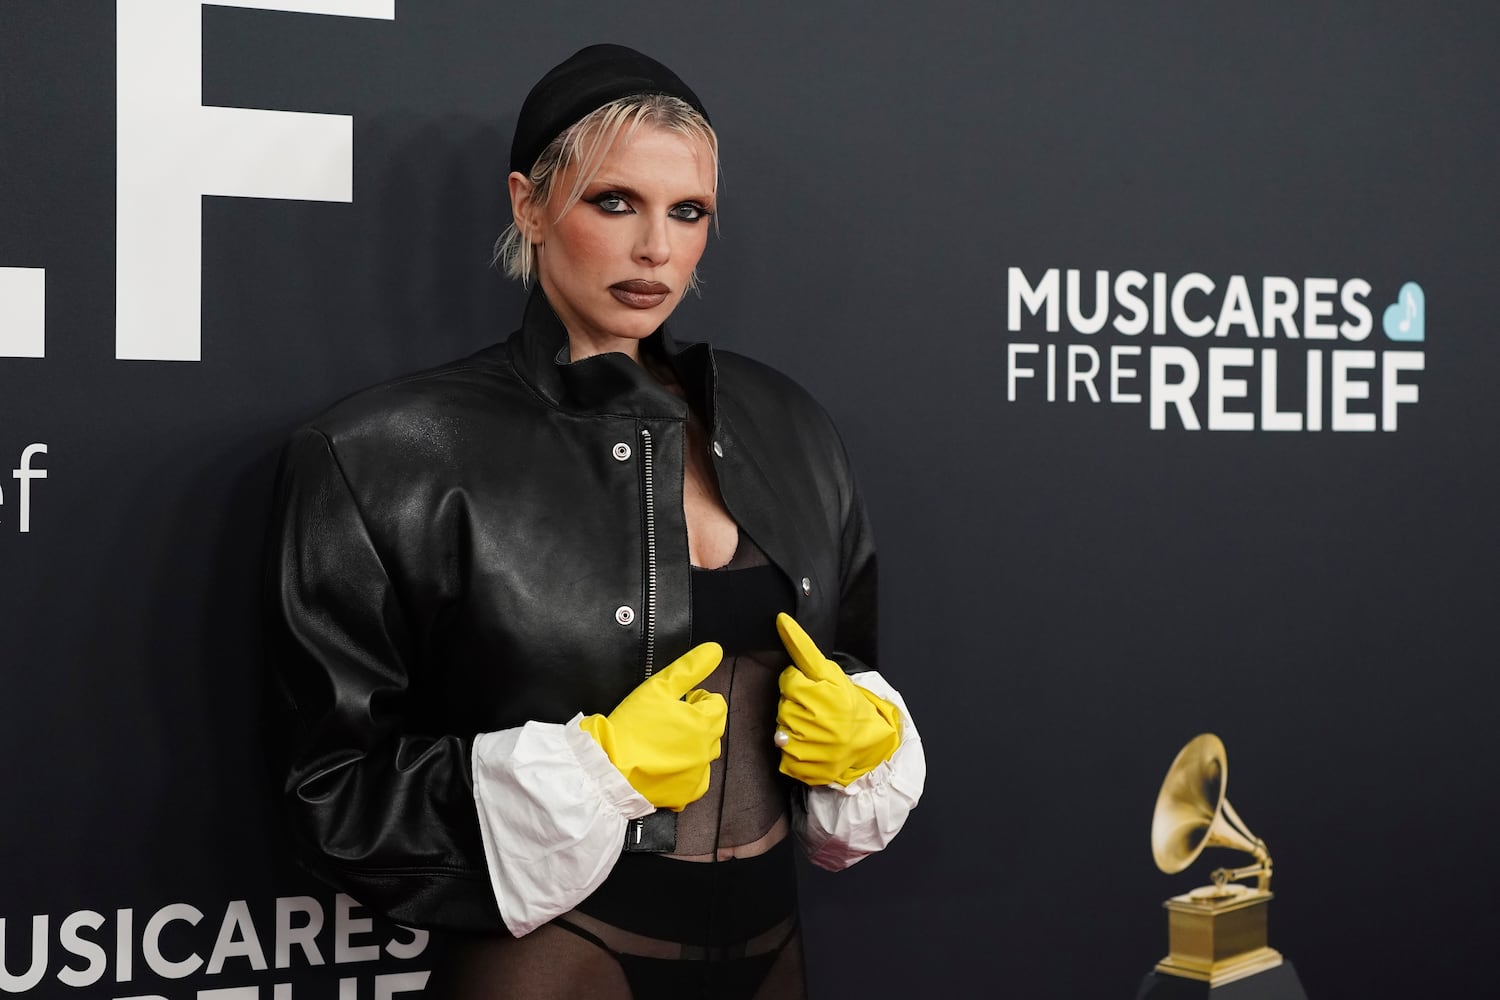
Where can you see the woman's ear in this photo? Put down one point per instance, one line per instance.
(523, 206)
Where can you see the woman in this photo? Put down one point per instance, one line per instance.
(531, 612)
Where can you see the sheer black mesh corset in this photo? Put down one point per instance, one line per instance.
(736, 607)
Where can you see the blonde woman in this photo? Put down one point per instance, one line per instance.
(571, 636)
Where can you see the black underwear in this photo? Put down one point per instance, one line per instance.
(725, 951)
(722, 977)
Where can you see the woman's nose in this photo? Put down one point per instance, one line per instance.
(652, 246)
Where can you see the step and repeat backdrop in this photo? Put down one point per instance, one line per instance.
(1162, 337)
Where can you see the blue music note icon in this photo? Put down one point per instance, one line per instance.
(1405, 319)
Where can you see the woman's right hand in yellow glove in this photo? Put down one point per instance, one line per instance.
(661, 741)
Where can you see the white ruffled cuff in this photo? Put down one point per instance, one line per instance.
(843, 824)
(553, 810)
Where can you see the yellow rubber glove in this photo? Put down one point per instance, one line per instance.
(835, 729)
(661, 741)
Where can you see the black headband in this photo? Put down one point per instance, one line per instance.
(588, 79)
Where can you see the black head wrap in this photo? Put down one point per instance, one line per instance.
(588, 79)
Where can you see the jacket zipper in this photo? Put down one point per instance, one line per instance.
(650, 554)
(650, 609)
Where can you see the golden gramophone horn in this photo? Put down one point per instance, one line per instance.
(1193, 812)
(1215, 934)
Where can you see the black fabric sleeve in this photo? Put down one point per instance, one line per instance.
(857, 626)
(377, 808)
(857, 637)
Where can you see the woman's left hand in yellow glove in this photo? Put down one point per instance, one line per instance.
(829, 728)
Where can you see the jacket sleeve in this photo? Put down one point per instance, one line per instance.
(840, 825)
(433, 829)
(378, 808)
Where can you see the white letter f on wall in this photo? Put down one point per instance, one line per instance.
(173, 150)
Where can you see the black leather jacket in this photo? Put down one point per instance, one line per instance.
(501, 540)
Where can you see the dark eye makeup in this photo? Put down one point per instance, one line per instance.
(689, 211)
(612, 202)
(615, 203)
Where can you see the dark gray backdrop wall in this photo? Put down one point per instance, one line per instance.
(1069, 594)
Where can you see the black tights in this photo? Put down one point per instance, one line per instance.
(658, 929)
(553, 963)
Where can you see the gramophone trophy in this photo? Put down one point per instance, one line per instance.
(1216, 934)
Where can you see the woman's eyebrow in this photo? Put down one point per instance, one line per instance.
(604, 184)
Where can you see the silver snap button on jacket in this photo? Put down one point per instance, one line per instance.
(624, 614)
(621, 451)
(806, 585)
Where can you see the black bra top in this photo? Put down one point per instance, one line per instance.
(736, 605)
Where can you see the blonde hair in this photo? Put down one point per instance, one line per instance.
(584, 144)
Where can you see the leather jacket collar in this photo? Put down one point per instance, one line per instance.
(612, 382)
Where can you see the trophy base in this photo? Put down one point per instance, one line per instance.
(1278, 982)
(1218, 935)
(1224, 971)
